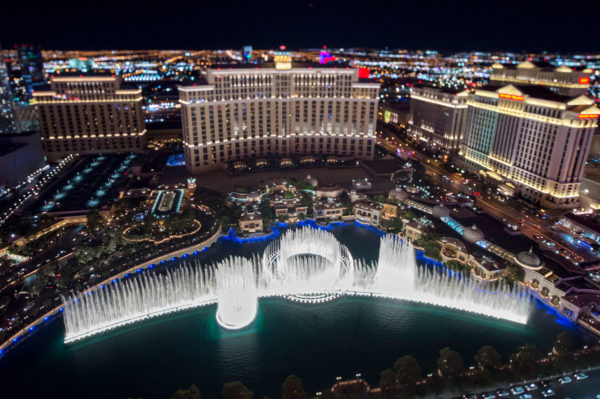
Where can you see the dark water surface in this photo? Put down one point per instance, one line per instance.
(316, 342)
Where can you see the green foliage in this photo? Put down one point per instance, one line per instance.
(408, 371)
(429, 242)
(450, 364)
(387, 383)
(292, 388)
(525, 361)
(488, 359)
(515, 272)
(191, 393)
(457, 266)
(288, 195)
(236, 390)
(564, 350)
(394, 225)
(95, 221)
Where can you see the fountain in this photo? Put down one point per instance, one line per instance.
(307, 265)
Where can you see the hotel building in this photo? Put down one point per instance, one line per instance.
(533, 137)
(561, 80)
(240, 113)
(437, 118)
(89, 114)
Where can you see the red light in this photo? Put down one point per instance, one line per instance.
(511, 97)
(364, 73)
(282, 47)
(584, 80)
(588, 116)
(125, 173)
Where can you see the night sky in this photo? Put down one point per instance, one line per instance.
(566, 25)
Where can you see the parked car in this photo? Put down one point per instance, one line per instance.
(531, 387)
(526, 396)
(489, 395)
(517, 390)
(581, 376)
(548, 393)
(564, 380)
(503, 393)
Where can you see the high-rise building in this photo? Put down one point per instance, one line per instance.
(31, 65)
(561, 80)
(8, 123)
(240, 113)
(533, 137)
(246, 53)
(90, 114)
(437, 118)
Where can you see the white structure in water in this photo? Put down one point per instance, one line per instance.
(307, 265)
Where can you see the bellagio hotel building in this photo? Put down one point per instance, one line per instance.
(86, 114)
(240, 113)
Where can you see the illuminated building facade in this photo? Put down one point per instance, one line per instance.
(31, 65)
(561, 80)
(533, 137)
(90, 114)
(437, 118)
(256, 112)
(7, 116)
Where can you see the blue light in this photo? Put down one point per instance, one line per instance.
(151, 266)
(61, 309)
(46, 318)
(184, 256)
(196, 252)
(31, 328)
(163, 261)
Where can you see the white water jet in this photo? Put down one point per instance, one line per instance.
(237, 300)
(306, 265)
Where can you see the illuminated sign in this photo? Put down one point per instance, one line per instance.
(511, 97)
(364, 72)
(584, 80)
(588, 116)
(386, 116)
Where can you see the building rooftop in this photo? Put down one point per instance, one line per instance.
(535, 91)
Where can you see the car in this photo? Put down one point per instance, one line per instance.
(548, 393)
(581, 376)
(489, 395)
(564, 380)
(546, 383)
(526, 396)
(503, 393)
(531, 387)
(517, 390)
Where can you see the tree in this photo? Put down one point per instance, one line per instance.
(95, 221)
(387, 383)
(525, 361)
(191, 393)
(292, 388)
(563, 348)
(450, 364)
(408, 371)
(488, 359)
(236, 390)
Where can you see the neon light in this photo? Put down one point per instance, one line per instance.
(588, 116)
(511, 97)
(584, 80)
(364, 73)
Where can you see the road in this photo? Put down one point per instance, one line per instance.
(530, 226)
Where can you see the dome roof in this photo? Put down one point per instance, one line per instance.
(528, 260)
(497, 66)
(563, 68)
(312, 181)
(472, 234)
(398, 194)
(440, 211)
